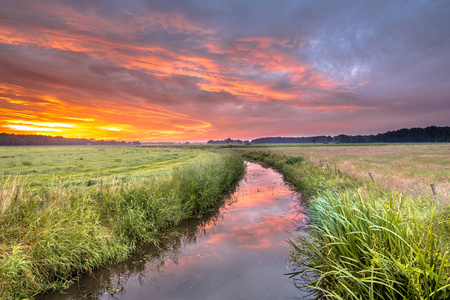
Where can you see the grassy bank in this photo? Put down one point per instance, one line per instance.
(365, 241)
(410, 168)
(52, 232)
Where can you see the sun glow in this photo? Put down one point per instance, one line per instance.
(44, 124)
(80, 81)
(33, 129)
(112, 128)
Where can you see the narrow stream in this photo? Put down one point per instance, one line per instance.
(239, 252)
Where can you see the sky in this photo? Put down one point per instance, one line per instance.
(196, 70)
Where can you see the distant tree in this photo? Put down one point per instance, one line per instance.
(226, 141)
(7, 139)
(431, 134)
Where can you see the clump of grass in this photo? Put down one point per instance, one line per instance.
(359, 245)
(91, 182)
(51, 234)
(293, 159)
(364, 242)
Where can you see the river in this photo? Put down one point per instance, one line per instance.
(238, 252)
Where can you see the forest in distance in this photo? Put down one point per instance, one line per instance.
(431, 134)
(7, 139)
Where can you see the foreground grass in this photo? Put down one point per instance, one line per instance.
(49, 234)
(363, 241)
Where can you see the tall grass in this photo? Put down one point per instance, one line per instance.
(364, 248)
(363, 242)
(52, 234)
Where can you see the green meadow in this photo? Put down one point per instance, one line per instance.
(43, 165)
(65, 211)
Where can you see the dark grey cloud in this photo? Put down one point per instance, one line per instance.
(401, 48)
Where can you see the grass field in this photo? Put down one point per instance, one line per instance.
(67, 210)
(42, 165)
(366, 240)
(408, 168)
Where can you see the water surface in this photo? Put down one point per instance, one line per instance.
(238, 252)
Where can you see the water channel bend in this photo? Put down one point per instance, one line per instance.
(240, 252)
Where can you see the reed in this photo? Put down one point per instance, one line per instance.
(362, 241)
(51, 234)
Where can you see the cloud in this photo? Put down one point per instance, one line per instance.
(176, 70)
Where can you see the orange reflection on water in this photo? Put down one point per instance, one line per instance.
(240, 254)
(264, 210)
(247, 250)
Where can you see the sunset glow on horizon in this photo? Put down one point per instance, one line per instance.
(196, 70)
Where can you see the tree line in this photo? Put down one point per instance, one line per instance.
(431, 134)
(227, 141)
(7, 139)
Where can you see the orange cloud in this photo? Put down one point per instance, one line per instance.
(148, 76)
(44, 115)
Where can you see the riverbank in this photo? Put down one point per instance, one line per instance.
(237, 252)
(409, 168)
(364, 240)
(51, 234)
